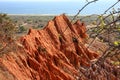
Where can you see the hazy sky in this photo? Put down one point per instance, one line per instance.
(54, 0)
(40, 0)
(54, 6)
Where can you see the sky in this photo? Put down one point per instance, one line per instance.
(42, 0)
(54, 6)
(54, 0)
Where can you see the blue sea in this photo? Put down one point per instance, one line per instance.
(14, 7)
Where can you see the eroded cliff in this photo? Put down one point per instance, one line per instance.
(56, 52)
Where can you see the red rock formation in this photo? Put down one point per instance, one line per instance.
(53, 53)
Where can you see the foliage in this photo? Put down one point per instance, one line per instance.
(40, 26)
(7, 31)
(7, 27)
(116, 43)
(107, 28)
(22, 29)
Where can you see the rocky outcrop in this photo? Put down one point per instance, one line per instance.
(56, 52)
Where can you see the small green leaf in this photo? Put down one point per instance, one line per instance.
(116, 43)
(102, 24)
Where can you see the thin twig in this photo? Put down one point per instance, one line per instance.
(80, 11)
(101, 31)
(111, 7)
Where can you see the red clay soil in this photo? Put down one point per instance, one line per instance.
(52, 54)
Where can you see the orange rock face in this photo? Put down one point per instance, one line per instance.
(52, 53)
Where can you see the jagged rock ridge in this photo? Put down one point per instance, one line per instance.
(53, 53)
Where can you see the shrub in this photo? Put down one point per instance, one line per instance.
(7, 32)
(22, 29)
(7, 27)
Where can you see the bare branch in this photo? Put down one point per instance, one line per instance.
(80, 11)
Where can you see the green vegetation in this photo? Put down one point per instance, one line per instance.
(7, 28)
(40, 26)
(7, 34)
(116, 43)
(22, 29)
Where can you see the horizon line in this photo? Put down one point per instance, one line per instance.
(49, 14)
